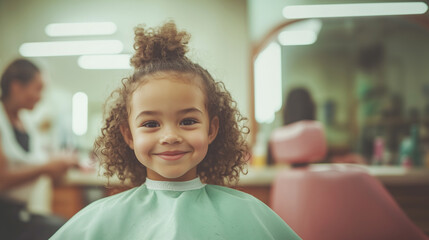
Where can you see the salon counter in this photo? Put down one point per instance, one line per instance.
(409, 187)
(388, 175)
(264, 176)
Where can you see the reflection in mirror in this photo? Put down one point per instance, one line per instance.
(368, 77)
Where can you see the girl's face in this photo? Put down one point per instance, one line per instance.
(169, 127)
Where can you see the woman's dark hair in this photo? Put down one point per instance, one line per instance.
(299, 106)
(21, 70)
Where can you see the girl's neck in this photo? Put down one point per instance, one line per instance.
(190, 175)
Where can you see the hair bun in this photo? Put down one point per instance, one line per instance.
(162, 43)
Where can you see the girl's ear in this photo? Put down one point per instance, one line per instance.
(213, 129)
(128, 137)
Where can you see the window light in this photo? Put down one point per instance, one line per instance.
(268, 83)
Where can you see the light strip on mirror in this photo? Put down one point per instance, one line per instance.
(67, 48)
(354, 10)
(80, 113)
(117, 61)
(268, 83)
(80, 29)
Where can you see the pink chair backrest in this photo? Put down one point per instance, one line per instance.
(300, 142)
(339, 201)
(331, 201)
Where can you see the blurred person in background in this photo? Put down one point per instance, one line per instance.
(22, 159)
(299, 105)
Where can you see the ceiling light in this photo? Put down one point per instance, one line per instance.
(80, 113)
(117, 61)
(301, 33)
(297, 38)
(354, 10)
(79, 29)
(66, 48)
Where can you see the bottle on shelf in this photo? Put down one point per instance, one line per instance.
(378, 153)
(409, 154)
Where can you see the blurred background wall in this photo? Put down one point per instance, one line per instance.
(219, 43)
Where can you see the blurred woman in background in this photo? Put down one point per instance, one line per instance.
(22, 160)
(299, 105)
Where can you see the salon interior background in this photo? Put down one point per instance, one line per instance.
(218, 28)
(225, 33)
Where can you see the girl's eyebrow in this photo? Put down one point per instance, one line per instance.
(181, 112)
(149, 113)
(189, 110)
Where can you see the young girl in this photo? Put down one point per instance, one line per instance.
(173, 132)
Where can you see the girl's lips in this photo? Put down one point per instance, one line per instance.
(171, 155)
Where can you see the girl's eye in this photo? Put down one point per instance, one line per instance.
(150, 124)
(188, 122)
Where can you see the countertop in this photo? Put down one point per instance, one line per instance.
(264, 176)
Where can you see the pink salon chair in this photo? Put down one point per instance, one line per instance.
(331, 201)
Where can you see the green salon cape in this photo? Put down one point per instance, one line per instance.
(176, 210)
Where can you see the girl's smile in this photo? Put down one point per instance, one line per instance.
(169, 126)
(171, 155)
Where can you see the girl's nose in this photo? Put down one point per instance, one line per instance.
(170, 138)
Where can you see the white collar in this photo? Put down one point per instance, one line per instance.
(174, 186)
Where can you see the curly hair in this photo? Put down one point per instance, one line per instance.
(161, 50)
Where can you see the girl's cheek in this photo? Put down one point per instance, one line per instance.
(200, 142)
(141, 144)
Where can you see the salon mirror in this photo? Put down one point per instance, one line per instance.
(368, 77)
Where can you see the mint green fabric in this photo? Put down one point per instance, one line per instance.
(210, 212)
